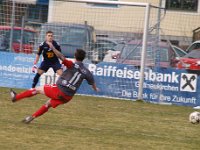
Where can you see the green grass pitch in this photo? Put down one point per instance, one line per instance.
(89, 123)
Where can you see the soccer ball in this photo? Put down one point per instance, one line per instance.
(194, 117)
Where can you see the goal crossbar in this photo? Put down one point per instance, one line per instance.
(110, 2)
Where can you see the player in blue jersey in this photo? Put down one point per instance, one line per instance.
(65, 87)
(50, 60)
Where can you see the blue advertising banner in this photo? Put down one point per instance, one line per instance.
(16, 70)
(167, 86)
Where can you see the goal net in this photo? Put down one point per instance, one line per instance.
(110, 31)
(126, 42)
(117, 33)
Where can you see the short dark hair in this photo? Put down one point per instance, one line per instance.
(51, 32)
(80, 54)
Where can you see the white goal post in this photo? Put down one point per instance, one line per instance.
(145, 32)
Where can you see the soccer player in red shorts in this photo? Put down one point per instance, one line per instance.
(65, 87)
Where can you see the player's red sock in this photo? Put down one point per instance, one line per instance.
(27, 93)
(40, 111)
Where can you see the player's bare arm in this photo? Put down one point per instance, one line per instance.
(95, 87)
(58, 54)
(36, 59)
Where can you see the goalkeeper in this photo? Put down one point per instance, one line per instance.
(50, 60)
(65, 87)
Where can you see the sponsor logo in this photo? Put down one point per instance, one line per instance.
(113, 71)
(18, 69)
(188, 82)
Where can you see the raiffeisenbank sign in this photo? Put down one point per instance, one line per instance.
(114, 71)
(162, 85)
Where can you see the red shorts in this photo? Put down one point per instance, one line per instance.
(57, 97)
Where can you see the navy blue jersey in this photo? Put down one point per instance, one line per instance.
(72, 77)
(48, 53)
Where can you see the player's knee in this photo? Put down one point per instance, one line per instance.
(48, 104)
(40, 89)
(40, 72)
(55, 102)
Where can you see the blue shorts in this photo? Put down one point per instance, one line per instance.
(46, 65)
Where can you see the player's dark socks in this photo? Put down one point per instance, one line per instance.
(27, 93)
(35, 80)
(40, 111)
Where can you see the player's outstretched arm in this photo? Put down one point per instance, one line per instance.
(58, 54)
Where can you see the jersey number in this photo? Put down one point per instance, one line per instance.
(75, 78)
(50, 54)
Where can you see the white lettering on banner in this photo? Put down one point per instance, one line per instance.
(113, 71)
(119, 73)
(160, 97)
(126, 93)
(24, 59)
(152, 76)
(165, 98)
(135, 95)
(49, 77)
(18, 69)
(176, 99)
(157, 86)
(16, 76)
(153, 96)
(181, 99)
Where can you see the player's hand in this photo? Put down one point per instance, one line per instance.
(34, 69)
(97, 89)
